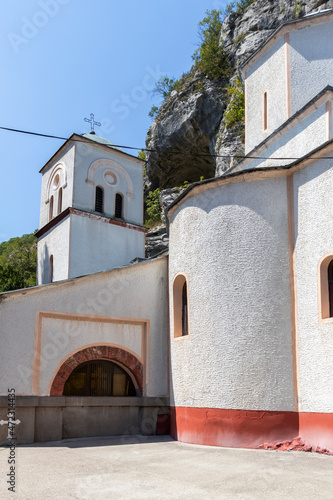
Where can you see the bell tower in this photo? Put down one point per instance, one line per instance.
(91, 214)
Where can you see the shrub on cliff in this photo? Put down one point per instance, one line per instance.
(210, 58)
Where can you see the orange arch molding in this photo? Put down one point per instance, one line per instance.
(125, 358)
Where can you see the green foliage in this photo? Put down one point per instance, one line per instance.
(142, 156)
(18, 262)
(153, 208)
(184, 185)
(210, 58)
(153, 112)
(164, 86)
(241, 37)
(298, 9)
(238, 7)
(235, 113)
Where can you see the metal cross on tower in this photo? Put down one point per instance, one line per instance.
(92, 121)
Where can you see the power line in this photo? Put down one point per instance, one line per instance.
(188, 153)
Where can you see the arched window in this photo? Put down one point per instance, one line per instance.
(60, 201)
(99, 378)
(325, 291)
(330, 288)
(51, 269)
(184, 310)
(51, 208)
(180, 306)
(99, 200)
(118, 206)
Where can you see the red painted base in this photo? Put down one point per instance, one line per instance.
(248, 428)
(316, 429)
(232, 428)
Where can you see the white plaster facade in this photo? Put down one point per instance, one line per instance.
(58, 319)
(294, 66)
(232, 244)
(314, 239)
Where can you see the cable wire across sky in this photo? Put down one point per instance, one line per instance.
(189, 153)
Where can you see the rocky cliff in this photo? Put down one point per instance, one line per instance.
(191, 127)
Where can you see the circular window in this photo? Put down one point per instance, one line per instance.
(56, 182)
(110, 178)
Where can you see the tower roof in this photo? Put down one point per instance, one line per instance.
(93, 137)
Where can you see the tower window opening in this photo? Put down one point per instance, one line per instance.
(99, 200)
(51, 208)
(118, 209)
(60, 201)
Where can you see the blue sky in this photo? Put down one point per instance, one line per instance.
(64, 59)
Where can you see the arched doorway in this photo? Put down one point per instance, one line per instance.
(99, 378)
(122, 362)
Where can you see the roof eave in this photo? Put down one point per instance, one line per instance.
(276, 34)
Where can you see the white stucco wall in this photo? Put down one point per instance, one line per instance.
(266, 74)
(306, 134)
(84, 193)
(311, 62)
(314, 238)
(96, 245)
(232, 244)
(66, 162)
(54, 242)
(136, 292)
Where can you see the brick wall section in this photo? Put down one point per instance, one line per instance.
(124, 358)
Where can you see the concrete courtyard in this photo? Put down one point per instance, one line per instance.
(138, 467)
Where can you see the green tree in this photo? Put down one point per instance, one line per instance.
(210, 58)
(18, 262)
(153, 208)
(164, 86)
(238, 7)
(235, 114)
(153, 112)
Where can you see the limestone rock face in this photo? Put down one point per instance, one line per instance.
(157, 241)
(192, 123)
(167, 196)
(189, 121)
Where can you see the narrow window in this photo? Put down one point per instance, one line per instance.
(51, 269)
(60, 201)
(180, 306)
(51, 208)
(118, 208)
(265, 110)
(325, 289)
(99, 200)
(330, 288)
(184, 310)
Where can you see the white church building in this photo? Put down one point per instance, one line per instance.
(228, 337)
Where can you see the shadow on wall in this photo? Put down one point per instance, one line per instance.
(44, 269)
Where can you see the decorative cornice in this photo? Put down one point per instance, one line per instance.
(94, 216)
